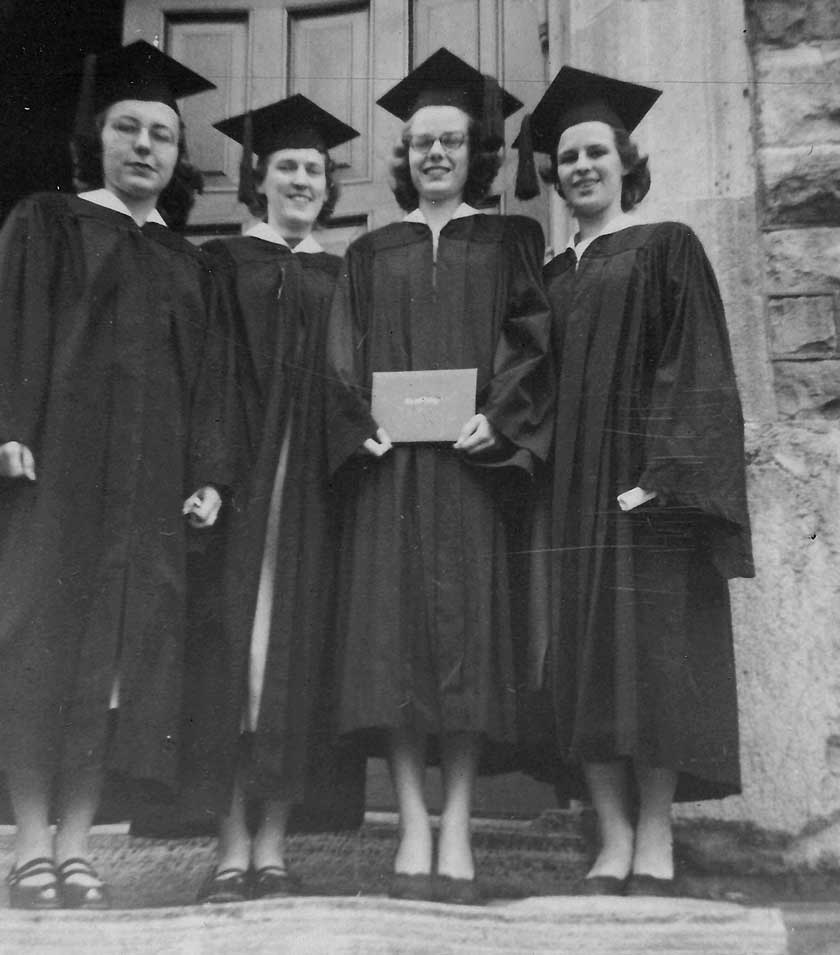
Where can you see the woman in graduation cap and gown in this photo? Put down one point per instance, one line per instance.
(648, 506)
(111, 372)
(258, 713)
(424, 614)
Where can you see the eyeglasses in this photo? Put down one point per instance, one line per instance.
(423, 142)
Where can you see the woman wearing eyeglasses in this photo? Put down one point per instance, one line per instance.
(427, 667)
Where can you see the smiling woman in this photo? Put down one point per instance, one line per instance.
(262, 596)
(646, 515)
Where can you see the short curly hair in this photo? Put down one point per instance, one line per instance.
(483, 169)
(176, 199)
(634, 184)
(258, 207)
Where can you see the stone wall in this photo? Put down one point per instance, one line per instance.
(795, 47)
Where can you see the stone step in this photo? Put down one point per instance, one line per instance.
(379, 926)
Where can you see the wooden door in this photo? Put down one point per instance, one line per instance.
(344, 56)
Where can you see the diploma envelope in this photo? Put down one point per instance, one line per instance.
(415, 406)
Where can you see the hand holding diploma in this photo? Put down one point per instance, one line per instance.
(477, 435)
(16, 460)
(379, 445)
(202, 507)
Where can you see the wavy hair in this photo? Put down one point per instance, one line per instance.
(484, 165)
(635, 183)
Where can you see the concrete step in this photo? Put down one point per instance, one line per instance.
(379, 926)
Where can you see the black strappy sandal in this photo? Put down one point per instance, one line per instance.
(78, 895)
(44, 896)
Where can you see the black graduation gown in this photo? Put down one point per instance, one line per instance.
(424, 606)
(279, 301)
(110, 361)
(638, 652)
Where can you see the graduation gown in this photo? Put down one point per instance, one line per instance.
(638, 650)
(111, 370)
(281, 527)
(424, 606)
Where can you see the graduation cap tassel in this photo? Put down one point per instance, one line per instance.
(492, 122)
(247, 190)
(527, 185)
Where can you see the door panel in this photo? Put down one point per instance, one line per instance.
(329, 55)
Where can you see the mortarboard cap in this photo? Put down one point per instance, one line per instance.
(446, 80)
(577, 96)
(140, 71)
(292, 123)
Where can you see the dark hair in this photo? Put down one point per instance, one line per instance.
(483, 168)
(259, 205)
(174, 202)
(635, 182)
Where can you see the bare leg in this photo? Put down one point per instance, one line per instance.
(30, 794)
(77, 805)
(408, 772)
(459, 757)
(269, 842)
(653, 854)
(234, 850)
(609, 789)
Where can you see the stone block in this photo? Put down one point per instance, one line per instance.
(778, 21)
(823, 21)
(803, 325)
(788, 22)
(802, 184)
(808, 390)
(802, 261)
(797, 94)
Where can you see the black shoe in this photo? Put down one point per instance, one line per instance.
(23, 896)
(273, 882)
(649, 885)
(411, 886)
(457, 891)
(225, 885)
(602, 885)
(78, 895)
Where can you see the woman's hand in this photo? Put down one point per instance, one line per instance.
(16, 460)
(203, 507)
(379, 445)
(477, 435)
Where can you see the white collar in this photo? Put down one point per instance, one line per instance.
(461, 212)
(622, 221)
(107, 199)
(262, 230)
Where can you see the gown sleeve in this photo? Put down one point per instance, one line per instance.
(216, 422)
(519, 398)
(349, 421)
(694, 441)
(29, 251)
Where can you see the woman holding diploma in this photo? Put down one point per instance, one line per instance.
(649, 511)
(427, 656)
